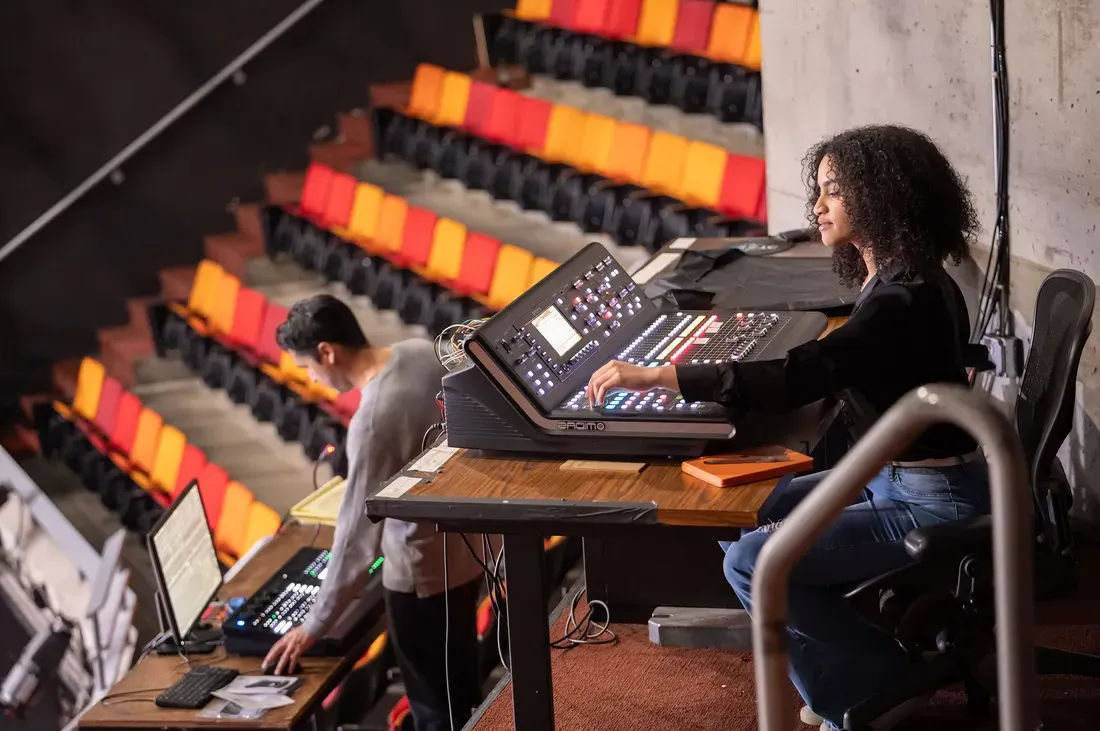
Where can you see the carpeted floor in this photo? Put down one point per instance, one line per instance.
(637, 686)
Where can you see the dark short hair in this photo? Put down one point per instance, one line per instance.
(320, 319)
(902, 196)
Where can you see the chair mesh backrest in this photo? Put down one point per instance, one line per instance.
(1044, 407)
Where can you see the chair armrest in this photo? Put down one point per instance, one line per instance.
(950, 540)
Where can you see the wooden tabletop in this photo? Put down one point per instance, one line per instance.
(130, 704)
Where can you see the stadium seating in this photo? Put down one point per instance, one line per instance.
(639, 185)
(138, 465)
(697, 55)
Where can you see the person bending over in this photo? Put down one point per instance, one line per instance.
(397, 407)
(892, 209)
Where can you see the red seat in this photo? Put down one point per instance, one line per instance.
(268, 349)
(590, 16)
(622, 20)
(191, 466)
(341, 195)
(478, 108)
(121, 437)
(106, 412)
(534, 120)
(562, 13)
(212, 482)
(504, 119)
(248, 319)
(479, 259)
(742, 187)
(416, 238)
(315, 191)
(693, 26)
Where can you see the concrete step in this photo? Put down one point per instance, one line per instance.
(355, 127)
(121, 348)
(743, 139)
(247, 216)
(503, 220)
(175, 283)
(233, 250)
(341, 155)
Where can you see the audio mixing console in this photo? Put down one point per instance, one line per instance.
(284, 601)
(523, 386)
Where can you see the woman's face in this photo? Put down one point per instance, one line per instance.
(832, 220)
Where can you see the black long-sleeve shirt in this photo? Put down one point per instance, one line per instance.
(906, 330)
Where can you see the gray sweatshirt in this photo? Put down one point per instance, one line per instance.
(396, 409)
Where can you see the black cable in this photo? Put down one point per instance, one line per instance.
(441, 426)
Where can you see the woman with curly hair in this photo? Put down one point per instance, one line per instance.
(893, 210)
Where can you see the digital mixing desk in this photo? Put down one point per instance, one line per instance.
(522, 388)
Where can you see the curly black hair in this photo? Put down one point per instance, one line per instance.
(902, 197)
(319, 319)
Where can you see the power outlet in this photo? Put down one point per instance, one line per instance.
(1006, 352)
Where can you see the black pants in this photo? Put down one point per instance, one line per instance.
(418, 628)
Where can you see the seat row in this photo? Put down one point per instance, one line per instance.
(226, 334)
(138, 465)
(697, 55)
(431, 270)
(639, 185)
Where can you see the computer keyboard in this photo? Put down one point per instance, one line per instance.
(195, 689)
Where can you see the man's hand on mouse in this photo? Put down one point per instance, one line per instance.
(285, 653)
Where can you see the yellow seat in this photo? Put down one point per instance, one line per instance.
(365, 209)
(540, 268)
(657, 22)
(427, 87)
(595, 147)
(510, 277)
(144, 451)
(231, 535)
(204, 289)
(565, 128)
(752, 50)
(166, 466)
(373, 652)
(262, 522)
(453, 101)
(629, 146)
(448, 243)
(391, 224)
(664, 165)
(533, 9)
(704, 168)
(89, 387)
(729, 33)
(225, 304)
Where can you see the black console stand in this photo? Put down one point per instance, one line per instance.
(202, 640)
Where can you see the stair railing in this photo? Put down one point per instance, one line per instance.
(1017, 680)
(111, 166)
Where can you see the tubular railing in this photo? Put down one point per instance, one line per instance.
(159, 126)
(1017, 680)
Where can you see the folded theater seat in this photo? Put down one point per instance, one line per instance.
(639, 185)
(226, 334)
(696, 55)
(137, 465)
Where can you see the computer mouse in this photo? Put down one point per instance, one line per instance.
(269, 668)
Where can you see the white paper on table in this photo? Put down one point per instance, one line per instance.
(434, 459)
(399, 486)
(257, 702)
(262, 684)
(658, 265)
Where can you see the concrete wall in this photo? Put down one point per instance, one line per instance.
(832, 64)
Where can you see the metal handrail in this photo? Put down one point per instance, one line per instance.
(1017, 680)
(159, 126)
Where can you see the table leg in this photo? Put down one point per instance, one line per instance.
(528, 634)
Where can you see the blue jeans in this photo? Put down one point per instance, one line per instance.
(838, 658)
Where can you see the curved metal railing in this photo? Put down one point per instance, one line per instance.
(159, 126)
(1017, 683)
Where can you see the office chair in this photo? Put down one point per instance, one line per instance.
(940, 608)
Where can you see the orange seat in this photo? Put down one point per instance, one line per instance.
(704, 169)
(445, 260)
(595, 146)
(693, 26)
(479, 261)
(657, 23)
(89, 387)
(539, 269)
(213, 481)
(391, 224)
(563, 132)
(752, 48)
(664, 166)
(533, 10)
(629, 146)
(224, 305)
(510, 278)
(200, 302)
(191, 467)
(729, 33)
(365, 210)
(315, 191)
(166, 465)
(230, 537)
(455, 97)
(262, 522)
(427, 88)
(742, 186)
(143, 452)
